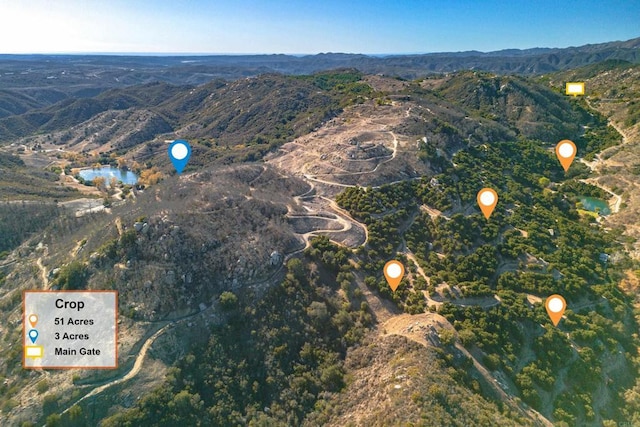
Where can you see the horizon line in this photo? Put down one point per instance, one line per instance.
(380, 54)
(204, 54)
(74, 53)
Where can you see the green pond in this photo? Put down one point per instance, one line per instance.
(594, 204)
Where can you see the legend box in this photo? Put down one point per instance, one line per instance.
(70, 329)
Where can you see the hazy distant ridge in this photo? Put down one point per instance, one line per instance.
(195, 69)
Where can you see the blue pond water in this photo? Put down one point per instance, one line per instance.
(108, 172)
(594, 204)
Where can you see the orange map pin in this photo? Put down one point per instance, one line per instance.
(487, 200)
(393, 272)
(566, 151)
(555, 305)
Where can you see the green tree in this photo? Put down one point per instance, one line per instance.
(228, 300)
(42, 386)
(54, 420)
(73, 276)
(75, 415)
(295, 266)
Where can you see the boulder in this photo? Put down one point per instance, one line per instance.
(275, 259)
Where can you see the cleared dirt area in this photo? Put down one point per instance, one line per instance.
(358, 148)
(305, 224)
(84, 206)
(421, 328)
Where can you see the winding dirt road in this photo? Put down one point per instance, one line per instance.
(43, 273)
(333, 213)
(135, 370)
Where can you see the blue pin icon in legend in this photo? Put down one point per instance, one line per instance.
(179, 153)
(33, 335)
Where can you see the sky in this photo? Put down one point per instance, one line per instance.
(309, 27)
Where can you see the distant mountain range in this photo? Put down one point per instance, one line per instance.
(77, 72)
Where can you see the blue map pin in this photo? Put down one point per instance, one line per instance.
(179, 153)
(33, 334)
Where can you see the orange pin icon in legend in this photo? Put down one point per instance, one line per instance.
(487, 200)
(33, 320)
(555, 305)
(566, 151)
(393, 272)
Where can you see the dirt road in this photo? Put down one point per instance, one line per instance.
(135, 370)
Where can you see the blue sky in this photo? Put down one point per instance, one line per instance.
(289, 26)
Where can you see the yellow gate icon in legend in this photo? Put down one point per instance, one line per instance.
(33, 351)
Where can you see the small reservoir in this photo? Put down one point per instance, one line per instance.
(594, 204)
(108, 172)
